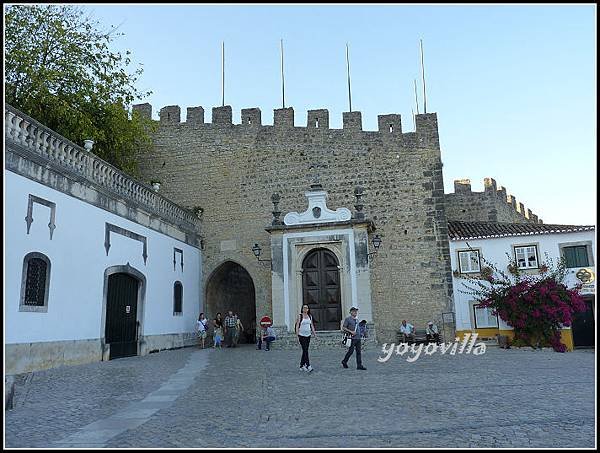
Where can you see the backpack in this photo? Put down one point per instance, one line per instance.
(297, 324)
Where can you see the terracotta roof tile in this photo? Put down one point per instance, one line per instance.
(479, 230)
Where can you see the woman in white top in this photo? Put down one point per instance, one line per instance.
(305, 327)
(202, 328)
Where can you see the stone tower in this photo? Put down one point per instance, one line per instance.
(229, 172)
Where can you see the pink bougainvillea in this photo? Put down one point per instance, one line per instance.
(535, 306)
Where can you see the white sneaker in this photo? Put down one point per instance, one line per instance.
(309, 368)
(303, 368)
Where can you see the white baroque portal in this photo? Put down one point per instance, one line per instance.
(320, 258)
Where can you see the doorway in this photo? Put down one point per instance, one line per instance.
(583, 325)
(321, 288)
(121, 328)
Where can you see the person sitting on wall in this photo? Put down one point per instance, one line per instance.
(407, 331)
(432, 333)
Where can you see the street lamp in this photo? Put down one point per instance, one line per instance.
(257, 250)
(376, 241)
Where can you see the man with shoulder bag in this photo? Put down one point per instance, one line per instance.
(350, 327)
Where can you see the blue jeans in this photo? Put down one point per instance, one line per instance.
(268, 340)
(355, 345)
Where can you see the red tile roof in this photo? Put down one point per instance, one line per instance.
(480, 230)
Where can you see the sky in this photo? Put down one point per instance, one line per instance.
(514, 87)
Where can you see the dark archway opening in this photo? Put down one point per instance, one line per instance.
(230, 287)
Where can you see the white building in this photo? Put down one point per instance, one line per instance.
(530, 245)
(97, 264)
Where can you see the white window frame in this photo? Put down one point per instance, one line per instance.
(470, 261)
(494, 324)
(527, 266)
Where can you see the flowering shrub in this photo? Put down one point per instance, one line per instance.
(535, 306)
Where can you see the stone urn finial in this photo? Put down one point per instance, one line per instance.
(358, 193)
(88, 144)
(276, 212)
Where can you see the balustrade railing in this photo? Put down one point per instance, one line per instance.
(34, 136)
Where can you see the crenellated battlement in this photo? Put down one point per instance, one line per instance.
(389, 125)
(493, 200)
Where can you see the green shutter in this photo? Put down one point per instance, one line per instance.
(582, 258)
(570, 256)
(576, 256)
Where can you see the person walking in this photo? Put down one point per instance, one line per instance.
(230, 329)
(305, 327)
(350, 327)
(202, 327)
(218, 331)
(239, 329)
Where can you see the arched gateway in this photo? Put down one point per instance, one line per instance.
(230, 287)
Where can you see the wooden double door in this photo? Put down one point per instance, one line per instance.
(321, 288)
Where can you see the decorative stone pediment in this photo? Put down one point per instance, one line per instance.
(317, 211)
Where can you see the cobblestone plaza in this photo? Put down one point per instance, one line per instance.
(191, 398)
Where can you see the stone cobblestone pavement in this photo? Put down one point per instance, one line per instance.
(247, 398)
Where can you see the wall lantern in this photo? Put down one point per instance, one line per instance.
(376, 241)
(257, 251)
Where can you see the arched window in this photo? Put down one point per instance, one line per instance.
(35, 282)
(177, 298)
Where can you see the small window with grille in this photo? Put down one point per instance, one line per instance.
(35, 283)
(177, 299)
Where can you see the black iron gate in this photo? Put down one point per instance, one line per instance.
(121, 315)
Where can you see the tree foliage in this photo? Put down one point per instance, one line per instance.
(60, 70)
(536, 306)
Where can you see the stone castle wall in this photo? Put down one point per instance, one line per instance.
(491, 205)
(231, 170)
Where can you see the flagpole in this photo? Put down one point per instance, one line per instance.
(423, 72)
(416, 98)
(282, 78)
(348, 66)
(223, 72)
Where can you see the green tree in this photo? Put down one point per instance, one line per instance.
(59, 70)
